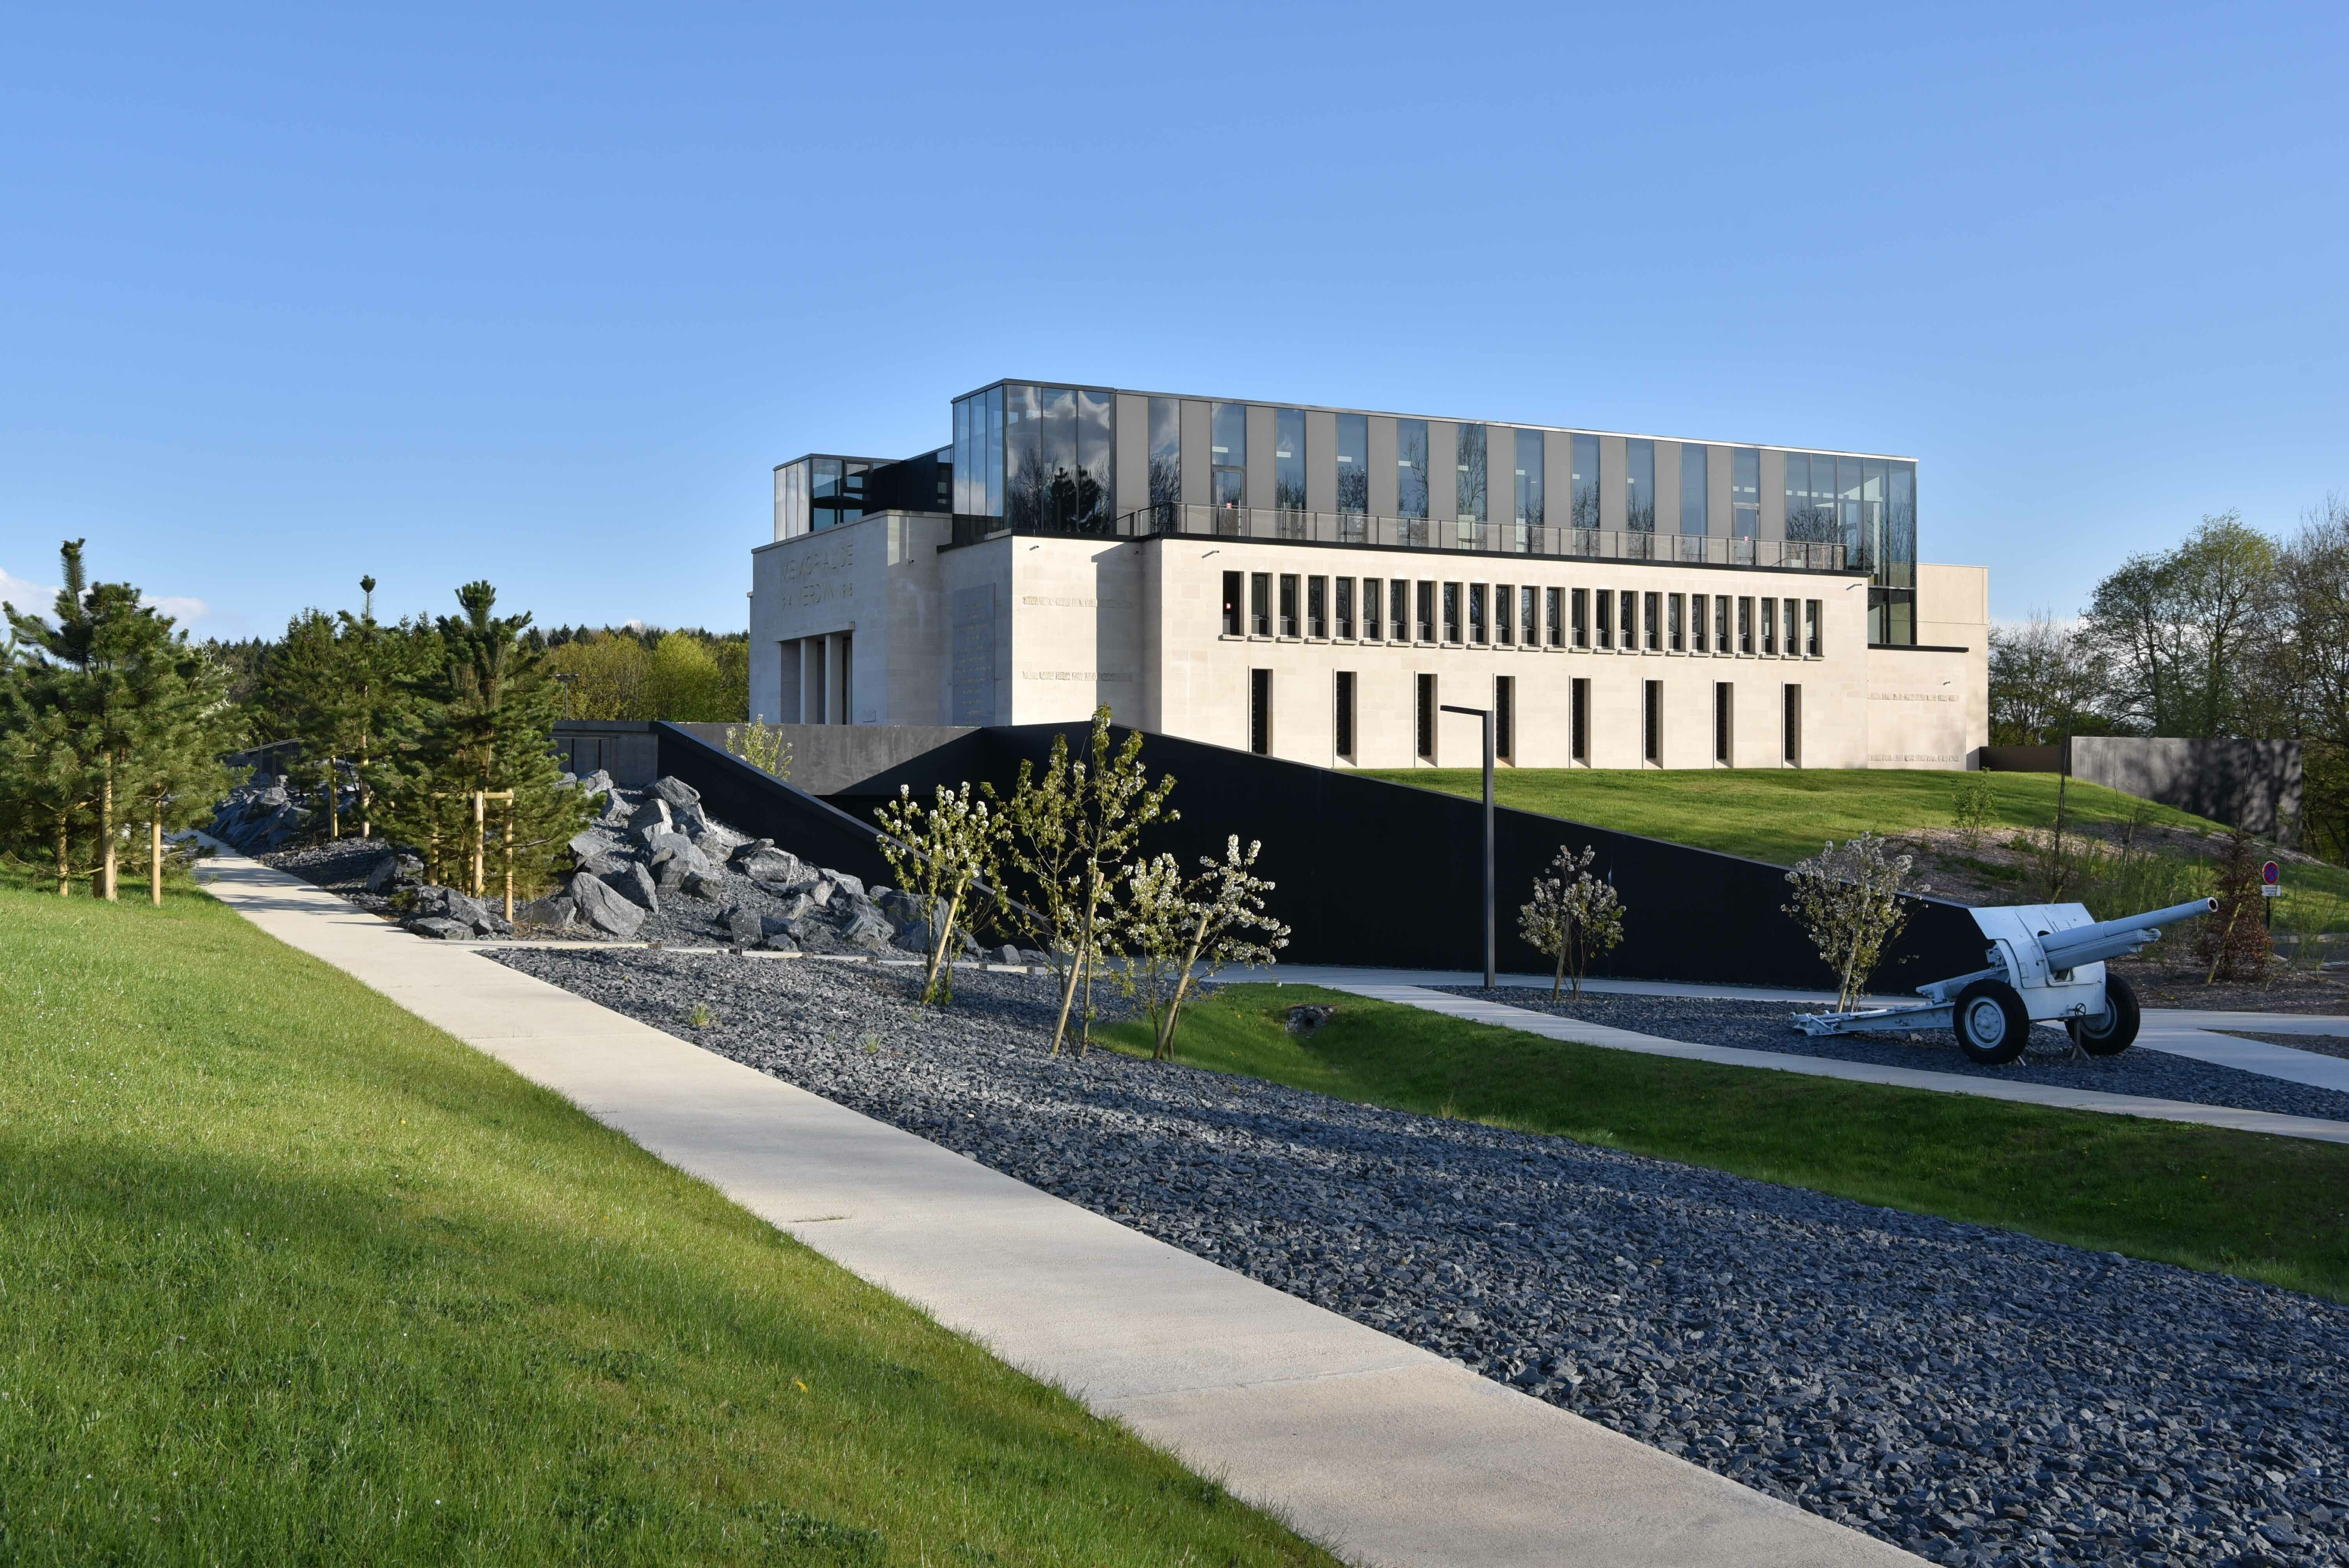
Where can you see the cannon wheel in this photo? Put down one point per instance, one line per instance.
(2112, 1032)
(1991, 1022)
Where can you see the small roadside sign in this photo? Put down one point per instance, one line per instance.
(2271, 881)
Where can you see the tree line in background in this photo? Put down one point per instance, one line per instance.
(111, 720)
(2231, 634)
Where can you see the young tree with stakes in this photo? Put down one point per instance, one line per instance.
(1175, 935)
(1573, 916)
(1847, 898)
(944, 857)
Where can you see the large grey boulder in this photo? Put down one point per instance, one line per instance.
(440, 926)
(602, 908)
(592, 843)
(675, 792)
(596, 783)
(743, 926)
(715, 840)
(616, 811)
(635, 884)
(783, 934)
(665, 840)
(709, 886)
(816, 889)
(760, 862)
(383, 873)
(675, 864)
(559, 912)
(865, 928)
(648, 819)
(855, 885)
(689, 817)
(447, 902)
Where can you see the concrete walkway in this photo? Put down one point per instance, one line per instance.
(1551, 1027)
(1388, 1454)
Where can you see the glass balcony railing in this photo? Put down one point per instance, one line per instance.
(1277, 525)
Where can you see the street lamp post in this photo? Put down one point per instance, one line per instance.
(1486, 714)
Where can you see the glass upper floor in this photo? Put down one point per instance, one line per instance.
(823, 490)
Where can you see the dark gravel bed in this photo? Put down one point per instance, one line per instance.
(1768, 1026)
(1976, 1396)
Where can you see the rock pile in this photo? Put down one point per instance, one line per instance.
(258, 816)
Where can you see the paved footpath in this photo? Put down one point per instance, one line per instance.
(1388, 1454)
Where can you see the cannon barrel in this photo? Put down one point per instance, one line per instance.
(2111, 938)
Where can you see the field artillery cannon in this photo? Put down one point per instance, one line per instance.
(2047, 966)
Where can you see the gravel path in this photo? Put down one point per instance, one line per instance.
(1975, 1396)
(1765, 1027)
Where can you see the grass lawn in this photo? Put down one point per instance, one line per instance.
(288, 1275)
(2273, 1209)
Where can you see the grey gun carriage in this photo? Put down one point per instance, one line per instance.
(2047, 966)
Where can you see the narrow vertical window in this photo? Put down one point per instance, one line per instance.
(1745, 625)
(1289, 459)
(1745, 492)
(1423, 718)
(1578, 722)
(1410, 467)
(1452, 612)
(1696, 508)
(1478, 631)
(1769, 626)
(1652, 722)
(1811, 627)
(1582, 617)
(1227, 455)
(1345, 715)
(1260, 712)
(1427, 613)
(1531, 508)
(1260, 603)
(1529, 615)
(1791, 726)
(1585, 481)
(1470, 489)
(1504, 621)
(1165, 461)
(1344, 609)
(1675, 637)
(1602, 617)
(1793, 640)
(1696, 623)
(1721, 622)
(1639, 487)
(1317, 607)
(1652, 623)
(1725, 723)
(1628, 623)
(1505, 718)
(1353, 463)
(1096, 491)
(1398, 611)
(1231, 603)
(1373, 615)
(1288, 604)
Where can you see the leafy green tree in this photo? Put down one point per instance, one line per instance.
(1176, 935)
(303, 687)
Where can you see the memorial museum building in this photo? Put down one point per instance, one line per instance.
(1319, 584)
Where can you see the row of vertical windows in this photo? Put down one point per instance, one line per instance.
(1502, 616)
(1427, 713)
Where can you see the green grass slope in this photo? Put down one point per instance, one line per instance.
(290, 1276)
(2273, 1209)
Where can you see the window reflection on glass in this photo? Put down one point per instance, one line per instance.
(1026, 481)
(1810, 498)
(1228, 454)
(1289, 459)
(991, 461)
(1695, 511)
(1900, 568)
(825, 473)
(1850, 525)
(963, 465)
(1093, 492)
(1639, 487)
(1745, 492)
(1059, 444)
(1585, 481)
(1470, 490)
(1410, 467)
(1165, 458)
(1528, 474)
(1353, 463)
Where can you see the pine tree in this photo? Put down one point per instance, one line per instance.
(303, 687)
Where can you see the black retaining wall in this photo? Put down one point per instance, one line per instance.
(1371, 872)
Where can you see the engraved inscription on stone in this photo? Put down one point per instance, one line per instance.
(972, 641)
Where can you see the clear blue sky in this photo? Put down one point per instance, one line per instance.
(542, 294)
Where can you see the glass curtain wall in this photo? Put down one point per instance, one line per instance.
(1695, 504)
(1585, 481)
(1745, 492)
(1471, 489)
(1639, 487)
(1353, 463)
(1227, 455)
(979, 454)
(1410, 467)
(1289, 459)
(793, 483)
(1528, 472)
(1165, 459)
(1056, 459)
(1869, 505)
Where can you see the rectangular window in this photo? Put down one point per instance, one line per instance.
(1505, 718)
(1054, 490)
(1725, 723)
(1529, 616)
(1529, 503)
(1260, 712)
(1639, 487)
(1721, 622)
(1353, 463)
(1227, 455)
(1602, 618)
(1410, 467)
(1653, 621)
(1578, 722)
(1695, 517)
(1399, 611)
(1769, 626)
(1471, 465)
(1289, 459)
(1423, 718)
(1373, 617)
(1627, 620)
(1288, 604)
(1582, 617)
(1260, 603)
(1165, 460)
(1793, 641)
(1585, 481)
(1652, 722)
(1345, 715)
(1505, 615)
(1452, 612)
(1426, 609)
(1096, 490)
(1317, 607)
(1697, 614)
(1791, 726)
(1675, 633)
(1811, 627)
(1478, 631)
(1343, 610)
(1231, 603)
(1745, 492)
(1745, 625)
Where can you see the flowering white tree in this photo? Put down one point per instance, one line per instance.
(1571, 916)
(1848, 897)
(943, 857)
(1176, 935)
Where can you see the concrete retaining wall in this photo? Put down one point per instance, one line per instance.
(2253, 784)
